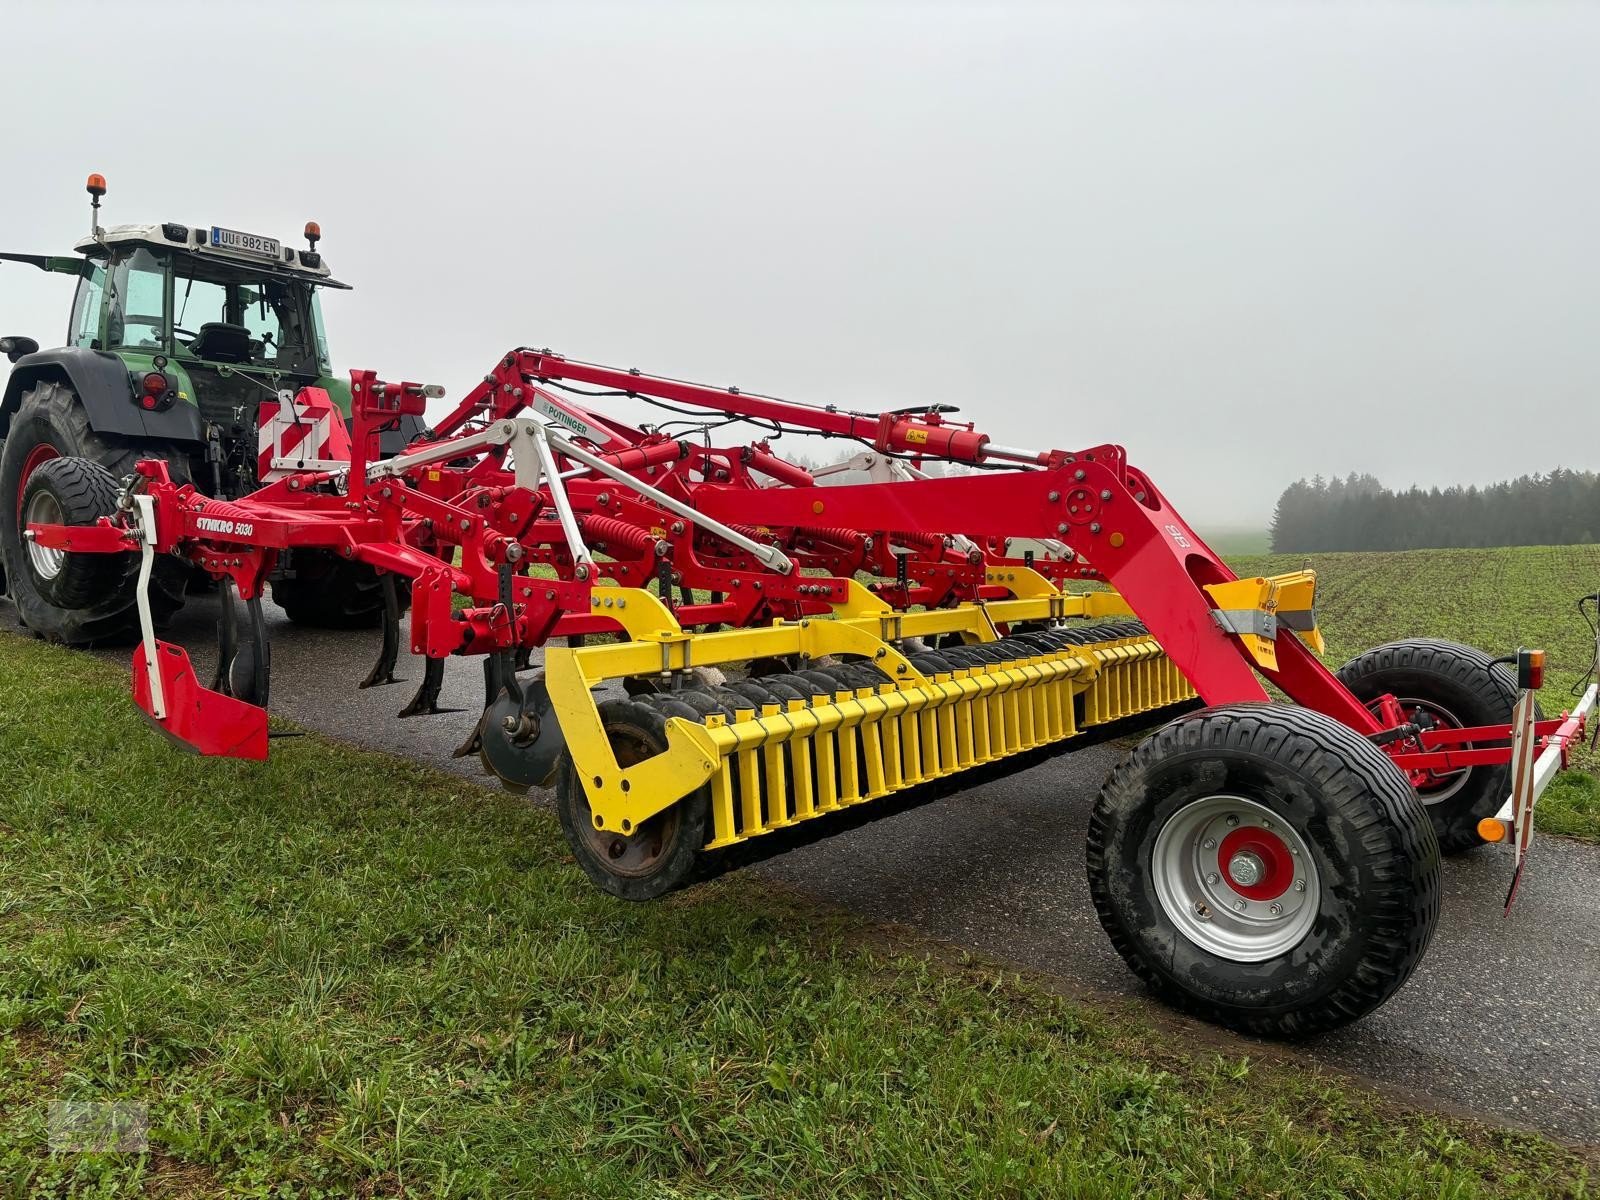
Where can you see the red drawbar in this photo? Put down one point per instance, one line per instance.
(1277, 864)
(198, 718)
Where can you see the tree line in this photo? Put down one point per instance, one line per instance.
(1359, 513)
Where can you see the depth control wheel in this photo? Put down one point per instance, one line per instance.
(664, 851)
(70, 491)
(1264, 867)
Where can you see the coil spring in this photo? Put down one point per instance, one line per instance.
(835, 535)
(615, 532)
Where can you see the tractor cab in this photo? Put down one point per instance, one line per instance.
(230, 319)
(201, 296)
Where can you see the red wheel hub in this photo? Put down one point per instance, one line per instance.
(1256, 863)
(37, 457)
(1393, 713)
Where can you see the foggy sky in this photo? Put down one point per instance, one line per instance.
(1249, 242)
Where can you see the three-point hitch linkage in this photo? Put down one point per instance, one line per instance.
(792, 658)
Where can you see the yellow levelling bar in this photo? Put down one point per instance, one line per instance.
(779, 767)
(771, 768)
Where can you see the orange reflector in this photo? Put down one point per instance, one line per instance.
(96, 185)
(1535, 669)
(1492, 829)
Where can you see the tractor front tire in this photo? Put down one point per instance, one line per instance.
(1266, 868)
(1451, 685)
(327, 592)
(90, 606)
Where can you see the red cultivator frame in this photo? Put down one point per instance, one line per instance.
(790, 650)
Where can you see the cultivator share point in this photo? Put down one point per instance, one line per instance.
(788, 659)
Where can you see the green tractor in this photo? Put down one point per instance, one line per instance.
(180, 338)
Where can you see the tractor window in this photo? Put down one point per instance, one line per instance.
(320, 331)
(269, 317)
(197, 302)
(137, 316)
(85, 330)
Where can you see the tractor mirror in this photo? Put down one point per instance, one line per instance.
(16, 346)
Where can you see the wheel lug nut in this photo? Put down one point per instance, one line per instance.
(1276, 910)
(1299, 885)
(1232, 821)
(1238, 906)
(1212, 877)
(1210, 843)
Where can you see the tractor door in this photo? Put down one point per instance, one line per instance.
(84, 329)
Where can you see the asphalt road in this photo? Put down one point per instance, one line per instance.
(1499, 1020)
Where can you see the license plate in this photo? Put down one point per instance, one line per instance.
(244, 243)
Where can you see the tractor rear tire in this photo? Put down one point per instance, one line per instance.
(50, 424)
(1266, 868)
(327, 592)
(1456, 685)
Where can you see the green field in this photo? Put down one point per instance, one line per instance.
(1230, 540)
(340, 974)
(1493, 599)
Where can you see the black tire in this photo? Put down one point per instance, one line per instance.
(329, 592)
(1372, 895)
(664, 853)
(73, 491)
(1464, 684)
(50, 424)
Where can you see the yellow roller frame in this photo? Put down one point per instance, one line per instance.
(622, 798)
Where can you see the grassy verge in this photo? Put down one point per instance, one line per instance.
(340, 974)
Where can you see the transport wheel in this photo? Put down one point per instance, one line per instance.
(663, 853)
(327, 592)
(1450, 685)
(50, 424)
(1264, 867)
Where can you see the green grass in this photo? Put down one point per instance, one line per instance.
(1496, 600)
(340, 974)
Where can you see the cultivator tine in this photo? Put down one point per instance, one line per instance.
(254, 662)
(227, 637)
(426, 702)
(383, 670)
(494, 676)
(244, 668)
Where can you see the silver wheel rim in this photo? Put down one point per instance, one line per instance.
(1232, 906)
(43, 509)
